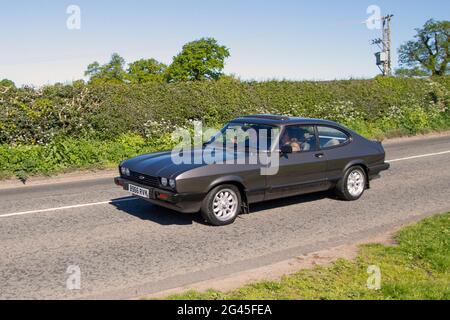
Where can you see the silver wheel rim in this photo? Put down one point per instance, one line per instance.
(225, 204)
(356, 183)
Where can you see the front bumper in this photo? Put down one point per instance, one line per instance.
(185, 203)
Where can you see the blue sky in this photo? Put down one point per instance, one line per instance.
(290, 39)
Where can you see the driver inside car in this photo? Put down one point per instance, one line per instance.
(297, 138)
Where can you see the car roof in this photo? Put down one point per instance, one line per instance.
(277, 120)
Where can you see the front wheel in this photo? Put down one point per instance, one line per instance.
(352, 186)
(222, 205)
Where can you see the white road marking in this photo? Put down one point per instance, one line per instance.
(66, 208)
(132, 199)
(419, 156)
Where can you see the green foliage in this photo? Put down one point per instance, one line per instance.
(417, 268)
(7, 83)
(432, 247)
(71, 153)
(102, 112)
(30, 116)
(411, 72)
(429, 52)
(146, 70)
(113, 71)
(202, 59)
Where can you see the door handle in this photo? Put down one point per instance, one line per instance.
(319, 155)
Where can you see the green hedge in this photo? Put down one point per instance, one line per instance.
(70, 153)
(66, 126)
(29, 116)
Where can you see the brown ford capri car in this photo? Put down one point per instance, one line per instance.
(277, 157)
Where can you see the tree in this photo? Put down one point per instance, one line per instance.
(202, 59)
(429, 52)
(146, 70)
(7, 83)
(412, 72)
(113, 71)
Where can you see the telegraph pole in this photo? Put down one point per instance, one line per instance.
(384, 58)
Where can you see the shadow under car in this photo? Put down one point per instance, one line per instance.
(144, 210)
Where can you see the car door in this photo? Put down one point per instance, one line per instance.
(303, 170)
(335, 143)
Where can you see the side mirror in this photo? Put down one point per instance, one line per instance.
(286, 149)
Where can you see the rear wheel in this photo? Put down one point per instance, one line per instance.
(222, 205)
(352, 186)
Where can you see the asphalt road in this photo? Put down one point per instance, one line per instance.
(128, 248)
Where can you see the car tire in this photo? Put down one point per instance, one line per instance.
(352, 186)
(222, 205)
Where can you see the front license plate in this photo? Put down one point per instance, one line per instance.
(138, 191)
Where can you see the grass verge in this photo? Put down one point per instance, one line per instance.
(71, 154)
(418, 267)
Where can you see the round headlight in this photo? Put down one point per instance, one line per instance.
(164, 182)
(172, 183)
(125, 171)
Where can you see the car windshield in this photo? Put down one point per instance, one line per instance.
(245, 136)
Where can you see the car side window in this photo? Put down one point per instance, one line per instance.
(300, 138)
(331, 137)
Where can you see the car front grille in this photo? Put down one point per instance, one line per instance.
(143, 179)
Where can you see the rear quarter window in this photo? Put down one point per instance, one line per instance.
(330, 137)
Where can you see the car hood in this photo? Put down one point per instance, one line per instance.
(161, 165)
(156, 164)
